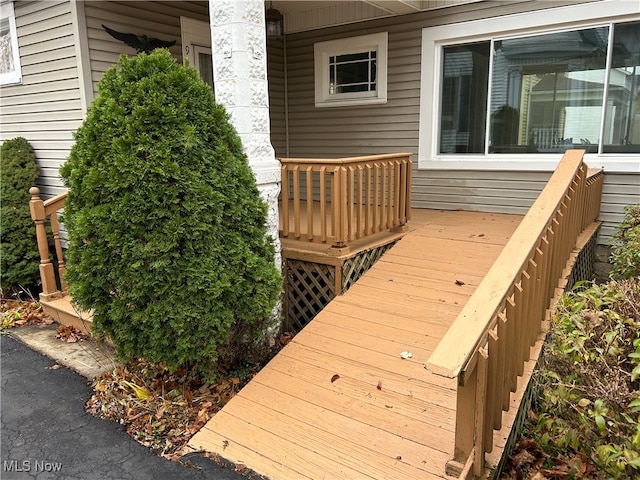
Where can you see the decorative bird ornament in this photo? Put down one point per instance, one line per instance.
(141, 43)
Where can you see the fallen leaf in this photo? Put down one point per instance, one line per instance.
(459, 283)
(335, 377)
(404, 355)
(379, 386)
(55, 367)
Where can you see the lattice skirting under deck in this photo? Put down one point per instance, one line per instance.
(310, 286)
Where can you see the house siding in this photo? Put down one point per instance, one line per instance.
(155, 19)
(394, 126)
(46, 107)
(277, 92)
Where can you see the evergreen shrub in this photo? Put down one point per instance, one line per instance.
(19, 255)
(168, 243)
(625, 257)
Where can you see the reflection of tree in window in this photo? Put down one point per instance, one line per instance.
(622, 120)
(6, 50)
(464, 98)
(556, 82)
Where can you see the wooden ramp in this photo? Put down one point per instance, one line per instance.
(339, 401)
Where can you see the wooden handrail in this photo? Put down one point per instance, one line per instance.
(489, 342)
(40, 212)
(344, 199)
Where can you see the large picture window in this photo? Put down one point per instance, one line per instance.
(10, 72)
(547, 93)
(499, 95)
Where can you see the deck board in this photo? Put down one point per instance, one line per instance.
(293, 421)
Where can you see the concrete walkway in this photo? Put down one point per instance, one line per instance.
(46, 433)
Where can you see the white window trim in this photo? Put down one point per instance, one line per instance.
(323, 50)
(530, 23)
(15, 77)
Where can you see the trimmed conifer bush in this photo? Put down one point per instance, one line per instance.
(19, 255)
(168, 243)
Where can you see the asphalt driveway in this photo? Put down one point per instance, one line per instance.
(46, 434)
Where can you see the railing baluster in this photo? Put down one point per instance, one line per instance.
(296, 200)
(390, 195)
(310, 200)
(368, 210)
(62, 269)
(376, 198)
(323, 204)
(351, 202)
(359, 217)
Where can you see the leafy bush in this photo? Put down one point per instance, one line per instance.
(168, 242)
(588, 410)
(19, 250)
(625, 257)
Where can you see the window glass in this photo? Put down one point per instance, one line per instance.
(622, 121)
(352, 73)
(10, 72)
(463, 102)
(547, 92)
(6, 47)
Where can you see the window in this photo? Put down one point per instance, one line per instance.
(10, 72)
(499, 97)
(351, 71)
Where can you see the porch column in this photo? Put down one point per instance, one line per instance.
(239, 51)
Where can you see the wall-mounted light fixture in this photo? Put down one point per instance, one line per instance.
(275, 23)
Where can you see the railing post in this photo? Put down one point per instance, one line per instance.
(284, 191)
(465, 422)
(339, 208)
(36, 206)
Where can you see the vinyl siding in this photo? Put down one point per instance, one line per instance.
(394, 126)
(277, 117)
(46, 107)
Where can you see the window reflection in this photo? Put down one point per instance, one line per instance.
(622, 121)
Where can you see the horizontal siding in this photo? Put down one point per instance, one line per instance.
(45, 109)
(277, 117)
(154, 19)
(394, 126)
(514, 192)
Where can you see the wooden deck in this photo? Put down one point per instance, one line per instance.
(339, 401)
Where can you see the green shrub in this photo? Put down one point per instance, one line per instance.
(588, 406)
(625, 257)
(18, 250)
(168, 242)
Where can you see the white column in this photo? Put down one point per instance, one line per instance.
(239, 50)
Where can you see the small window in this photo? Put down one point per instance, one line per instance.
(351, 71)
(10, 72)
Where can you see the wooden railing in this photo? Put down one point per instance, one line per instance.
(45, 213)
(335, 201)
(489, 342)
